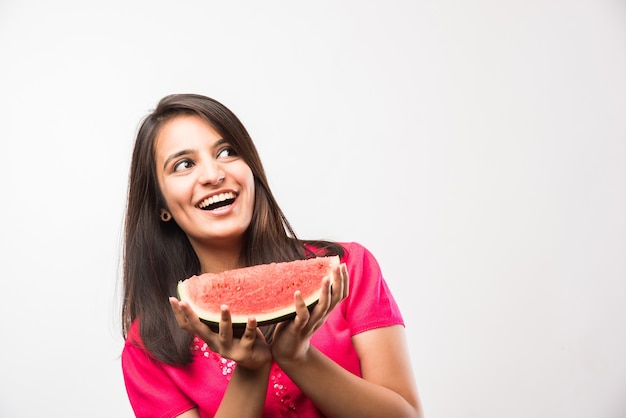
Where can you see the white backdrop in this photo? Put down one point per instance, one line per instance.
(477, 148)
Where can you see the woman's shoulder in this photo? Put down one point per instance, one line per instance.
(133, 336)
(355, 251)
(348, 251)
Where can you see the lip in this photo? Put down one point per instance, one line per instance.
(216, 193)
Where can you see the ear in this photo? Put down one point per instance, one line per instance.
(165, 215)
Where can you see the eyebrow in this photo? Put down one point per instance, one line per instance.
(189, 151)
(176, 155)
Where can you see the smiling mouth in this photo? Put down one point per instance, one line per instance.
(218, 201)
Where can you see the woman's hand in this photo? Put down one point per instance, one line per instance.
(292, 339)
(250, 351)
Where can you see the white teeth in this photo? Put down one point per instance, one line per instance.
(215, 199)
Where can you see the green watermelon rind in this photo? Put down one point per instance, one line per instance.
(242, 325)
(239, 321)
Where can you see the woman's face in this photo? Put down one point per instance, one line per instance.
(208, 189)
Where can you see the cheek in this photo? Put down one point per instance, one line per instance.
(162, 194)
(171, 195)
(245, 178)
(251, 188)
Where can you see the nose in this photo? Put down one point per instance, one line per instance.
(211, 172)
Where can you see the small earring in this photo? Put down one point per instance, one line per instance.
(165, 215)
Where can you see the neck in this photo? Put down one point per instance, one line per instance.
(218, 257)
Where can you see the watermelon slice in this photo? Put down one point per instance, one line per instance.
(263, 291)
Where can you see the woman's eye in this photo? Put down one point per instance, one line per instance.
(182, 165)
(226, 152)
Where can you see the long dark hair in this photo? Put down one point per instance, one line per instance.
(158, 254)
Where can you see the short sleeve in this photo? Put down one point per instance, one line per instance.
(151, 390)
(370, 303)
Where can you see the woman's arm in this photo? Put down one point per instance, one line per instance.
(244, 396)
(192, 413)
(387, 387)
(246, 391)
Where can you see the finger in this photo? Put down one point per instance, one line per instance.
(340, 284)
(302, 312)
(174, 304)
(226, 326)
(324, 303)
(179, 314)
(250, 333)
(327, 291)
(336, 286)
(193, 320)
(345, 278)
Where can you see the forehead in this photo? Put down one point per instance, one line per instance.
(184, 132)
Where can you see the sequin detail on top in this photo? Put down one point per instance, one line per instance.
(280, 390)
(199, 347)
(227, 366)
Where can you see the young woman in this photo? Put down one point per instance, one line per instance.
(199, 201)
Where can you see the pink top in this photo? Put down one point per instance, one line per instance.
(158, 390)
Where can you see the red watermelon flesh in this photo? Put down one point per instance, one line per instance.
(264, 291)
